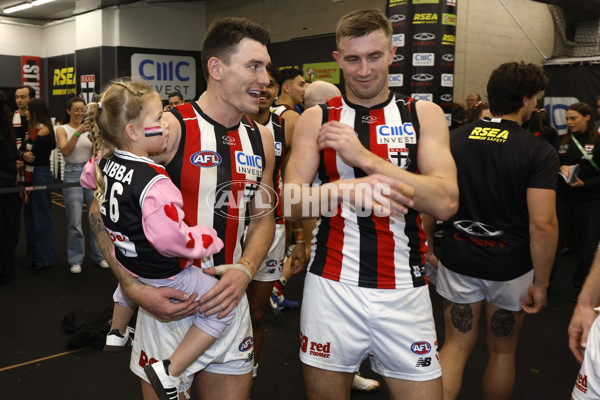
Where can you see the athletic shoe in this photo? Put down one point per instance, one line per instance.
(274, 302)
(164, 384)
(287, 304)
(102, 264)
(116, 343)
(75, 269)
(364, 384)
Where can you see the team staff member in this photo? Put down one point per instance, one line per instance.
(579, 200)
(214, 151)
(365, 293)
(498, 249)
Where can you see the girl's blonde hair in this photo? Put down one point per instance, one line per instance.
(121, 103)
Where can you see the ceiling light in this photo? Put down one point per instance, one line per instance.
(17, 7)
(40, 2)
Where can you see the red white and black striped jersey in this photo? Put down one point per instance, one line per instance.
(276, 125)
(218, 170)
(280, 109)
(367, 250)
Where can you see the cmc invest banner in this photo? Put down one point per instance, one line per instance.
(425, 36)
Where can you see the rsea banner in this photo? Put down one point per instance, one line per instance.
(425, 40)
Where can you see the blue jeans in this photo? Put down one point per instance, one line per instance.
(39, 228)
(74, 199)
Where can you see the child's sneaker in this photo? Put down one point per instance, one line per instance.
(116, 343)
(164, 384)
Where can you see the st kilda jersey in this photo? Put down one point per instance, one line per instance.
(218, 170)
(280, 109)
(367, 250)
(127, 180)
(276, 125)
(496, 162)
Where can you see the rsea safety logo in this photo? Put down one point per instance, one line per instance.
(449, 39)
(425, 18)
(489, 134)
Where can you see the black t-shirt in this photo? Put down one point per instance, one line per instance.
(497, 161)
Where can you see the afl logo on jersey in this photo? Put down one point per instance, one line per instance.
(247, 344)
(205, 159)
(420, 348)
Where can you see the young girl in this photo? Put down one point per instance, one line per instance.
(141, 209)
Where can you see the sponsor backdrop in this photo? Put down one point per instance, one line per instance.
(570, 83)
(425, 36)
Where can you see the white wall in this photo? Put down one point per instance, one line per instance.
(488, 36)
(178, 26)
(18, 40)
(59, 39)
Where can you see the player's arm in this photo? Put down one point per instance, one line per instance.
(226, 294)
(303, 201)
(435, 187)
(584, 314)
(157, 301)
(543, 232)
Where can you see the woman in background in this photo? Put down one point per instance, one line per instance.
(578, 201)
(76, 147)
(39, 143)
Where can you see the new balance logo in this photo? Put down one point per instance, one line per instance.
(424, 362)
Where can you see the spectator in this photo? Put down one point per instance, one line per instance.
(37, 146)
(76, 147)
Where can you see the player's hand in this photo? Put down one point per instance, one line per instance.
(432, 259)
(157, 301)
(536, 299)
(226, 294)
(298, 261)
(342, 138)
(579, 328)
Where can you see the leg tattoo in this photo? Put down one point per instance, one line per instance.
(462, 317)
(502, 323)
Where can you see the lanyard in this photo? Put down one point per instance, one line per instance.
(585, 154)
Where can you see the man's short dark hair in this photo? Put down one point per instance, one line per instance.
(273, 71)
(31, 90)
(225, 34)
(286, 75)
(510, 83)
(176, 93)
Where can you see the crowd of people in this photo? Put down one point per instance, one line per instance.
(318, 184)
